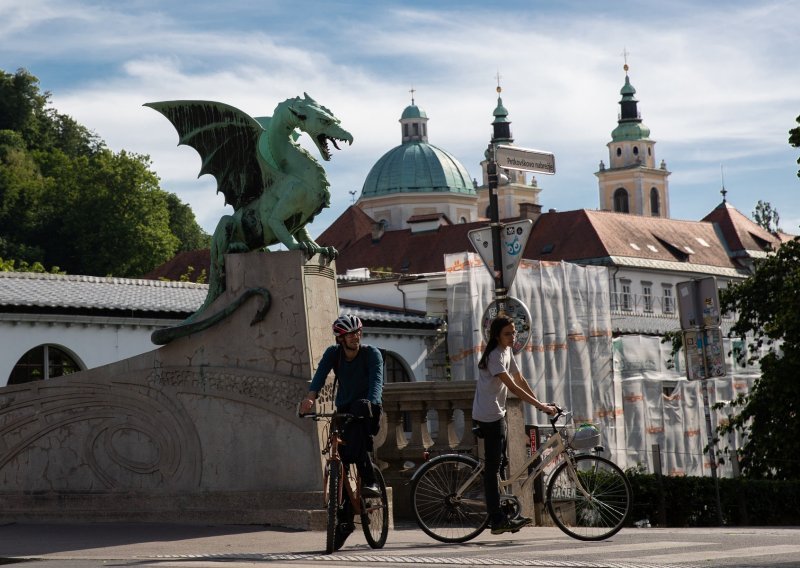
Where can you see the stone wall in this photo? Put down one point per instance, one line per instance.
(194, 426)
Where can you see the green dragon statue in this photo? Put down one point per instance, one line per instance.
(276, 187)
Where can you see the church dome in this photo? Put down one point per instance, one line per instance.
(417, 167)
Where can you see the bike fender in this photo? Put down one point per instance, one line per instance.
(437, 459)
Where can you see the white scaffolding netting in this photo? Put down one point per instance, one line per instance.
(622, 384)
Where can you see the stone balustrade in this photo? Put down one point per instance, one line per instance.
(434, 417)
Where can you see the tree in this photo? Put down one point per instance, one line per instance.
(794, 140)
(767, 217)
(67, 200)
(111, 217)
(768, 307)
(183, 225)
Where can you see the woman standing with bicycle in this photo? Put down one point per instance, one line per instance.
(497, 374)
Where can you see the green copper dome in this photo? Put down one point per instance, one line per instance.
(413, 111)
(417, 167)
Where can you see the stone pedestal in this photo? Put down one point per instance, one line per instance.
(202, 429)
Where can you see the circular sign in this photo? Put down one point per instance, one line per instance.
(517, 311)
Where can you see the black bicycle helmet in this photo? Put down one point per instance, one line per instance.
(346, 324)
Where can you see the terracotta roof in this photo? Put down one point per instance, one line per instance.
(582, 236)
(350, 226)
(741, 233)
(585, 235)
(406, 252)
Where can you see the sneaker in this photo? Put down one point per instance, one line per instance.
(509, 525)
(371, 490)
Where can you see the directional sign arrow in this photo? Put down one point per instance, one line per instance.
(513, 158)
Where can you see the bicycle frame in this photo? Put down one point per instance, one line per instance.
(554, 443)
(331, 451)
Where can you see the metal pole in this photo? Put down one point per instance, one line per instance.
(712, 455)
(497, 251)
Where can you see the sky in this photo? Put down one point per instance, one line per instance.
(717, 83)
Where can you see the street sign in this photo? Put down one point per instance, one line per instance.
(698, 303)
(513, 238)
(698, 306)
(705, 354)
(518, 312)
(481, 240)
(514, 158)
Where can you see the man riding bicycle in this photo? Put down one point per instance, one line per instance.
(358, 370)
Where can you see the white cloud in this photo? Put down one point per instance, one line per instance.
(716, 85)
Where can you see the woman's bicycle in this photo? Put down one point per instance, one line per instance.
(588, 497)
(342, 491)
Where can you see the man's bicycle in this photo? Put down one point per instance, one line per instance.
(588, 497)
(342, 491)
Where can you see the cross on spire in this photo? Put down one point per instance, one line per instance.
(412, 91)
(499, 88)
(723, 191)
(625, 53)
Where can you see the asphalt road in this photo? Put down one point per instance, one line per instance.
(197, 546)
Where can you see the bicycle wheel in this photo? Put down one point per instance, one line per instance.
(334, 482)
(440, 511)
(375, 514)
(591, 501)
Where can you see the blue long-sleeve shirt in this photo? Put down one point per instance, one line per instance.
(360, 378)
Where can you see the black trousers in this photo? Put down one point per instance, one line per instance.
(495, 440)
(357, 438)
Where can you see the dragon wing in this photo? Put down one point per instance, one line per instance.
(227, 141)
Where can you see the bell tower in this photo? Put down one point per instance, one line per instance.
(632, 183)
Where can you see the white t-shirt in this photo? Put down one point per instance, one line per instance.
(489, 404)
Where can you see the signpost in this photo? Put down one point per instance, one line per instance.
(513, 158)
(698, 306)
(501, 245)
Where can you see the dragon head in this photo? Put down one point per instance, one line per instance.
(319, 123)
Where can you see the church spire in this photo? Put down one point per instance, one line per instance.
(630, 125)
(501, 126)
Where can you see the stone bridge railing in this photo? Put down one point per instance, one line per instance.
(435, 417)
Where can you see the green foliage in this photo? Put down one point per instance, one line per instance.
(11, 266)
(768, 307)
(794, 140)
(67, 200)
(183, 225)
(188, 276)
(691, 501)
(767, 217)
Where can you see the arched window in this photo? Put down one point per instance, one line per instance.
(394, 371)
(655, 204)
(41, 363)
(619, 151)
(462, 220)
(621, 200)
(635, 150)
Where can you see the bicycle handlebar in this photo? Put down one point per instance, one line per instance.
(317, 415)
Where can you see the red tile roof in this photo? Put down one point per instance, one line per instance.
(740, 232)
(582, 235)
(587, 234)
(350, 226)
